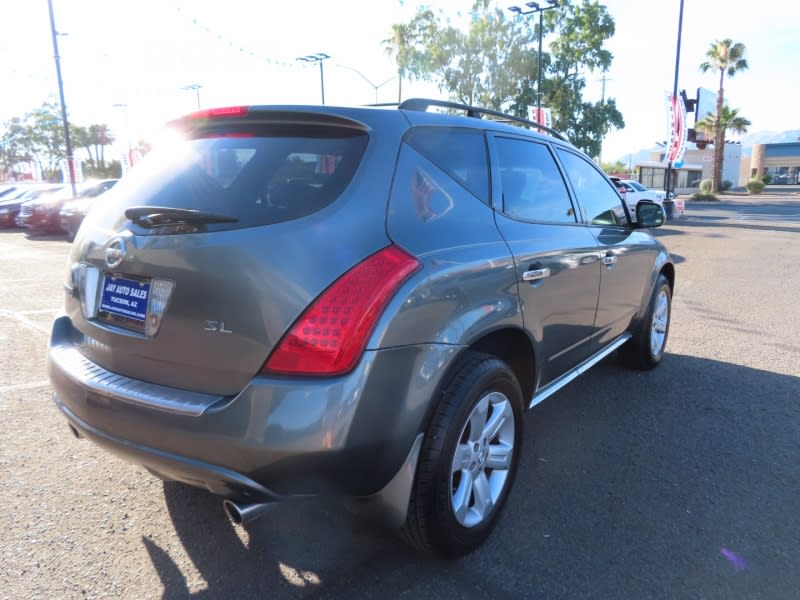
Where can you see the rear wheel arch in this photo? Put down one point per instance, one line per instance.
(510, 345)
(668, 271)
(513, 347)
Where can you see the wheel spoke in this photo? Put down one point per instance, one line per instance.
(499, 456)
(660, 326)
(462, 495)
(477, 420)
(500, 413)
(483, 495)
(462, 458)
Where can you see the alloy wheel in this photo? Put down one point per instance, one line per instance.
(482, 459)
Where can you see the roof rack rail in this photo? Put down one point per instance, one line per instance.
(422, 105)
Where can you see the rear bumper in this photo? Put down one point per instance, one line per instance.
(46, 221)
(278, 437)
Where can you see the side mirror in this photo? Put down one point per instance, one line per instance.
(649, 214)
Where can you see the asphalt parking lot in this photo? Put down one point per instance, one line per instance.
(678, 483)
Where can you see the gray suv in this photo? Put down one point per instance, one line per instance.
(363, 302)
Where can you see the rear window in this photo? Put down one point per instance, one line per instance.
(259, 175)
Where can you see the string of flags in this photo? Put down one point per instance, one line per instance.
(241, 49)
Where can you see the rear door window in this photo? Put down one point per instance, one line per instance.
(259, 175)
(532, 186)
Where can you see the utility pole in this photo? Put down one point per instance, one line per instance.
(67, 141)
(603, 79)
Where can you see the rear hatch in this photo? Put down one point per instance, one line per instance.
(207, 252)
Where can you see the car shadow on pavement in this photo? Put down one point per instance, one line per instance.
(676, 483)
(46, 236)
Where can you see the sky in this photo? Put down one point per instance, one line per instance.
(127, 63)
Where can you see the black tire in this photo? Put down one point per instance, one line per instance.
(432, 524)
(643, 352)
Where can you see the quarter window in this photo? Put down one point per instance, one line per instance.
(598, 199)
(459, 152)
(532, 186)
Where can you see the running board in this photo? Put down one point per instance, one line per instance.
(552, 387)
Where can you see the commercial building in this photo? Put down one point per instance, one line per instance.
(780, 161)
(697, 165)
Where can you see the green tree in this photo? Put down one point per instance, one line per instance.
(80, 139)
(582, 29)
(397, 47)
(614, 167)
(15, 144)
(39, 136)
(100, 136)
(728, 120)
(46, 135)
(493, 63)
(483, 65)
(727, 58)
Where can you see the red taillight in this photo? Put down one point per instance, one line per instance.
(225, 111)
(330, 336)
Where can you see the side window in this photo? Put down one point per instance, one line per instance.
(459, 152)
(599, 201)
(533, 188)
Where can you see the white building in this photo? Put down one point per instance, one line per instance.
(697, 165)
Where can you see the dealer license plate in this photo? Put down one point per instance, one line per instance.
(124, 299)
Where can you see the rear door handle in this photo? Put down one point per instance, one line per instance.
(609, 260)
(536, 274)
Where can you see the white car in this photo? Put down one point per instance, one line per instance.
(633, 192)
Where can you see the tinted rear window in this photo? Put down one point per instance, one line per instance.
(258, 175)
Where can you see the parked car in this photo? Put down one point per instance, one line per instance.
(301, 301)
(9, 206)
(634, 192)
(73, 211)
(12, 206)
(44, 213)
(7, 189)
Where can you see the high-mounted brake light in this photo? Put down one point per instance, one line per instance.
(225, 111)
(229, 134)
(330, 336)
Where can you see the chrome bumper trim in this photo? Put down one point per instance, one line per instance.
(94, 378)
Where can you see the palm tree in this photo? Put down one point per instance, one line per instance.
(727, 120)
(398, 47)
(726, 57)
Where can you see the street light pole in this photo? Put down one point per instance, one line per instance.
(194, 87)
(533, 8)
(67, 141)
(675, 92)
(317, 58)
(364, 77)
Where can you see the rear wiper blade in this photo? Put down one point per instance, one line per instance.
(155, 216)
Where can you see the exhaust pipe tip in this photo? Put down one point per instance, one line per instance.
(232, 510)
(241, 514)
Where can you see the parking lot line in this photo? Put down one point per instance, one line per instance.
(23, 320)
(24, 386)
(40, 311)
